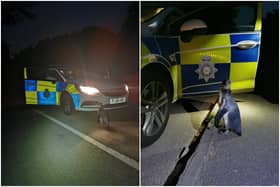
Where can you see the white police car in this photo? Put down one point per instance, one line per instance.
(73, 89)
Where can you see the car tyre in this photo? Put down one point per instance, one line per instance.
(67, 104)
(155, 99)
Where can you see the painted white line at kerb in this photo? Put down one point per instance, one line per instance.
(129, 161)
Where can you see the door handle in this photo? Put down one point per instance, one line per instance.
(246, 44)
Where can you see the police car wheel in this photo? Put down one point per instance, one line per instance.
(154, 109)
(67, 104)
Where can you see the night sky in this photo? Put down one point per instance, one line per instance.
(57, 18)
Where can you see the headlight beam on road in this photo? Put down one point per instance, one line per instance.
(129, 161)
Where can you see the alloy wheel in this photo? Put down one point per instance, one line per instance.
(154, 108)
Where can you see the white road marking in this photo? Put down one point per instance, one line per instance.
(129, 161)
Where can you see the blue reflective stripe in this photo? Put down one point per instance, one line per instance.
(190, 77)
(30, 85)
(76, 99)
(61, 86)
(151, 44)
(50, 100)
(178, 58)
(244, 55)
(168, 46)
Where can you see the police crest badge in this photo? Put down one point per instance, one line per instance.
(206, 69)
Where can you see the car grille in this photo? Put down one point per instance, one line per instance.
(90, 104)
(114, 92)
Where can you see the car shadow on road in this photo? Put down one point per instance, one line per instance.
(194, 105)
(189, 106)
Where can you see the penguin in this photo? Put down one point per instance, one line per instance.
(228, 110)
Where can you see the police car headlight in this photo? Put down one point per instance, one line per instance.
(126, 88)
(89, 90)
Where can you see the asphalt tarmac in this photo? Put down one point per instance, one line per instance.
(159, 159)
(37, 150)
(231, 160)
(251, 159)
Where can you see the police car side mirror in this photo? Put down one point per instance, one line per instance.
(186, 36)
(192, 27)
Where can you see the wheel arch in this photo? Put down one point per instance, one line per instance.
(65, 94)
(161, 69)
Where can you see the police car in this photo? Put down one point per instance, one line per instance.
(73, 89)
(188, 48)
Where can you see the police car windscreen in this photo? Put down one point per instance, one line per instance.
(78, 75)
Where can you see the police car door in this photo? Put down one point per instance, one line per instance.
(40, 86)
(227, 50)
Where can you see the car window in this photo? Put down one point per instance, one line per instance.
(71, 74)
(158, 25)
(36, 73)
(43, 74)
(245, 18)
(188, 12)
(161, 23)
(52, 75)
(77, 74)
(220, 18)
(172, 16)
(229, 18)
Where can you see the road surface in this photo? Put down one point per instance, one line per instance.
(251, 159)
(230, 160)
(159, 159)
(42, 146)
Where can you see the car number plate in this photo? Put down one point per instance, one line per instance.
(117, 100)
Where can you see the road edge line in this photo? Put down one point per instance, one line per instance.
(129, 161)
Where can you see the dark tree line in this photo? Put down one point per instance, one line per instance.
(128, 54)
(92, 48)
(12, 13)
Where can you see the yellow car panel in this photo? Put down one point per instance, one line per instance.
(215, 46)
(43, 85)
(243, 71)
(58, 98)
(71, 88)
(31, 97)
(177, 81)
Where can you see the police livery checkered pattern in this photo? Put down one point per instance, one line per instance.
(48, 93)
(191, 75)
(231, 62)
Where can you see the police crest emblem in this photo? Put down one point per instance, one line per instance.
(206, 69)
